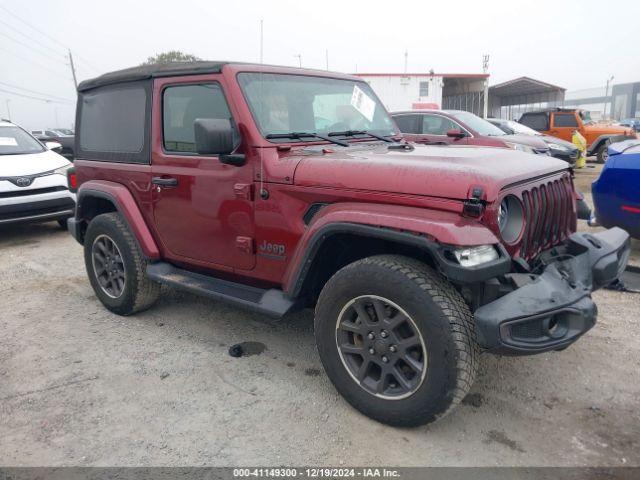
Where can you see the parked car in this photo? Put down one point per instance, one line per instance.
(51, 135)
(616, 196)
(562, 122)
(558, 148)
(456, 127)
(216, 178)
(631, 122)
(33, 179)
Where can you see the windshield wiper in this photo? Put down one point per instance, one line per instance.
(352, 133)
(303, 135)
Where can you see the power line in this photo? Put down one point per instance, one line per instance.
(42, 44)
(34, 28)
(41, 32)
(36, 92)
(28, 60)
(30, 47)
(46, 100)
(82, 59)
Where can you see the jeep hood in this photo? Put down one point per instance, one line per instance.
(435, 171)
(608, 129)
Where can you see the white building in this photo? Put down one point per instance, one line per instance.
(407, 91)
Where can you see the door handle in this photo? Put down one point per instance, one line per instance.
(165, 182)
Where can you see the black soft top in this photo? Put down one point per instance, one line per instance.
(145, 72)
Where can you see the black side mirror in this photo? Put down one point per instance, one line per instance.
(214, 136)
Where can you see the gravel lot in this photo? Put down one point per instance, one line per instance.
(81, 386)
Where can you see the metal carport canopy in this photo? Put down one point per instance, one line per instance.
(525, 90)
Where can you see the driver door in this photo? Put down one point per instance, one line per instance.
(203, 210)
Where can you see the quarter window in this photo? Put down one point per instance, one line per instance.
(565, 120)
(182, 106)
(537, 121)
(112, 123)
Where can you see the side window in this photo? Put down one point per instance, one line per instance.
(113, 123)
(565, 120)
(424, 89)
(407, 123)
(182, 105)
(437, 125)
(537, 121)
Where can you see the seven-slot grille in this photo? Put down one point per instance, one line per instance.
(549, 216)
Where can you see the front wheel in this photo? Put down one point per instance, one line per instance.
(396, 339)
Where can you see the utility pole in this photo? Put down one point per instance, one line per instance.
(606, 96)
(485, 69)
(8, 109)
(326, 57)
(299, 57)
(406, 60)
(73, 70)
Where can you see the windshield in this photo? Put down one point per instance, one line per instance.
(478, 124)
(519, 128)
(585, 116)
(15, 141)
(282, 103)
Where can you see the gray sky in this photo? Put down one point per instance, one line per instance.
(573, 44)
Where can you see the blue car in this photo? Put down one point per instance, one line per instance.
(616, 194)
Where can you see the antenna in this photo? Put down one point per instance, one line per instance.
(261, 41)
(262, 189)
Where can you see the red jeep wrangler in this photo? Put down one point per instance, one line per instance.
(278, 188)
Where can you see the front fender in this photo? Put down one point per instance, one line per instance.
(598, 142)
(126, 205)
(419, 227)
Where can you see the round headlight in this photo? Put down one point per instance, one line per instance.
(510, 218)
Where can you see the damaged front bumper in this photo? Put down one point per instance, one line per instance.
(551, 310)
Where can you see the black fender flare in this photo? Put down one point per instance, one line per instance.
(451, 269)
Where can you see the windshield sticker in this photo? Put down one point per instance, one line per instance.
(363, 103)
(8, 142)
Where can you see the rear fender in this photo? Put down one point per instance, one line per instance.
(415, 226)
(126, 205)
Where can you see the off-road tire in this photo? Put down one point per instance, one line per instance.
(139, 292)
(442, 317)
(603, 154)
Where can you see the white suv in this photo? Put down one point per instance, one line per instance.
(33, 179)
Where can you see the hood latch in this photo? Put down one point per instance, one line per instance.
(474, 205)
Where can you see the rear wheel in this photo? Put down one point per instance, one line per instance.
(116, 267)
(396, 339)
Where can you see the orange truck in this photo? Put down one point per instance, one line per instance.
(562, 122)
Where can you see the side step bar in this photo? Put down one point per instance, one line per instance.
(270, 302)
